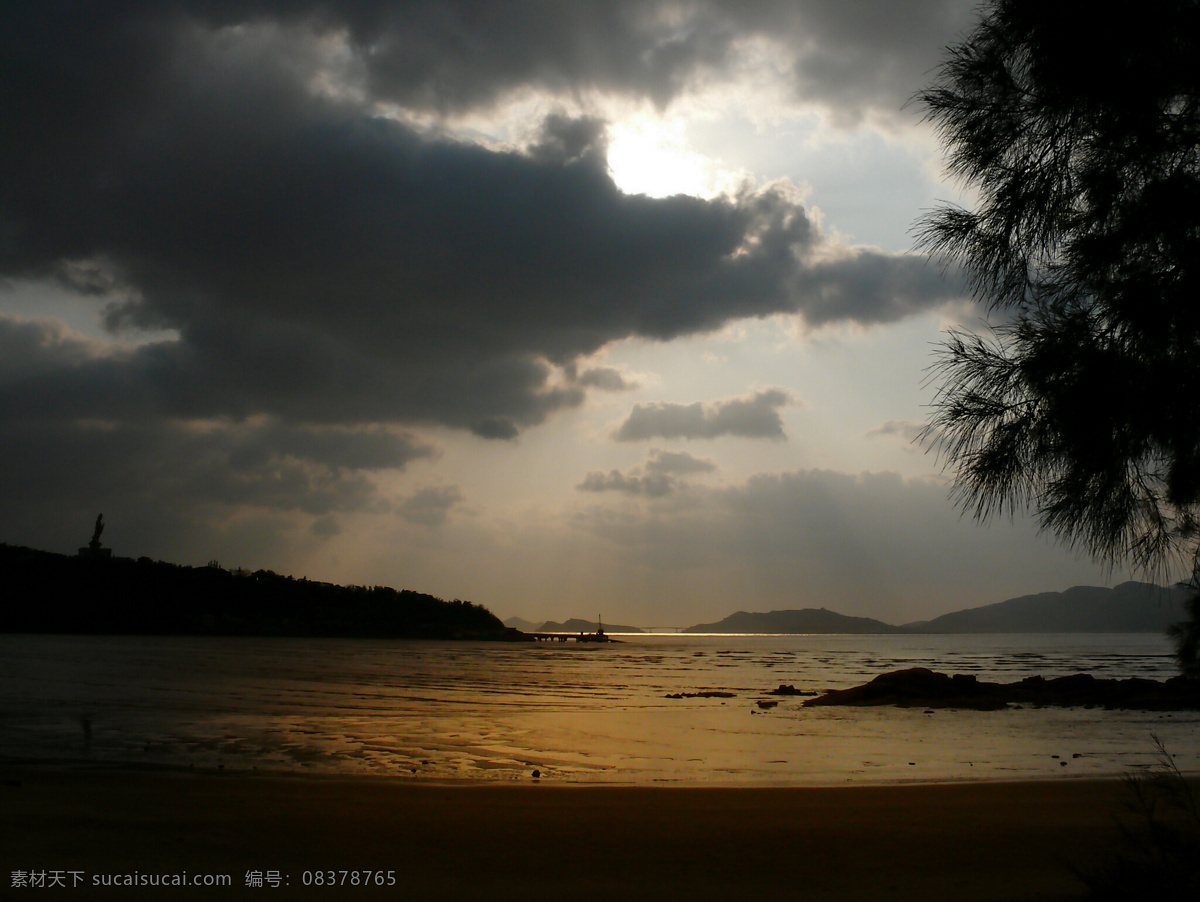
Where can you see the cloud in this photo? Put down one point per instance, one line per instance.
(369, 448)
(430, 506)
(317, 260)
(905, 432)
(678, 463)
(865, 285)
(754, 417)
(657, 479)
(189, 491)
(495, 428)
(244, 177)
(447, 56)
(103, 444)
(31, 349)
(325, 527)
(565, 140)
(652, 485)
(874, 544)
(606, 378)
(864, 57)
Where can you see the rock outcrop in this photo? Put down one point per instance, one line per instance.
(924, 688)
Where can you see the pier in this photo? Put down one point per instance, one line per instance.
(598, 636)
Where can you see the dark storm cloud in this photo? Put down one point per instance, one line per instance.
(453, 55)
(753, 417)
(32, 349)
(868, 54)
(74, 436)
(868, 286)
(355, 449)
(197, 167)
(170, 489)
(850, 57)
(319, 263)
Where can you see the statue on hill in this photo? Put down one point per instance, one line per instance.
(94, 549)
(95, 542)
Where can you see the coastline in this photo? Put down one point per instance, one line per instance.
(966, 841)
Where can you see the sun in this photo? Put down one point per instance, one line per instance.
(651, 156)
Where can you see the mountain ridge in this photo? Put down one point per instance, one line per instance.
(1130, 607)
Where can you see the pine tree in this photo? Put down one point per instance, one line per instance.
(1079, 132)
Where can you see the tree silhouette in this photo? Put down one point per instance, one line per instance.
(1080, 134)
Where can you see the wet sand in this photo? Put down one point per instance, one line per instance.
(966, 841)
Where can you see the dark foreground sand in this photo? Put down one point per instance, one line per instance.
(929, 842)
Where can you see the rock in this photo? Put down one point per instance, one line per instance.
(788, 689)
(919, 686)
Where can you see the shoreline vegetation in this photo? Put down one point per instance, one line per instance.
(57, 593)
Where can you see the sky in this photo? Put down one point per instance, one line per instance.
(566, 308)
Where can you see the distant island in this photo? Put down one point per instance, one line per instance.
(55, 593)
(1131, 607)
(808, 620)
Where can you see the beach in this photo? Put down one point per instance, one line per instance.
(361, 770)
(536, 840)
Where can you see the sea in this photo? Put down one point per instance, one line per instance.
(572, 713)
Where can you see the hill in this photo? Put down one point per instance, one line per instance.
(1131, 607)
(809, 620)
(54, 593)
